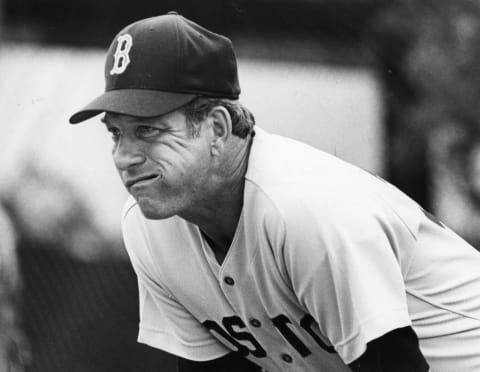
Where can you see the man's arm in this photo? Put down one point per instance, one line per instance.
(228, 363)
(396, 351)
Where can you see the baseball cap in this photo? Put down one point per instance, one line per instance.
(159, 64)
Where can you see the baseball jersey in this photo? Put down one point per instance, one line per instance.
(325, 258)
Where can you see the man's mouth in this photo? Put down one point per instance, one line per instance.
(139, 181)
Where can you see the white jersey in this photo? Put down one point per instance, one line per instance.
(325, 258)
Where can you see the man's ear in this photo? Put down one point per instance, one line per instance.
(221, 122)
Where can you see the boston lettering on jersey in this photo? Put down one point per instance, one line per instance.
(244, 343)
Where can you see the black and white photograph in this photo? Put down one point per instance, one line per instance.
(240, 186)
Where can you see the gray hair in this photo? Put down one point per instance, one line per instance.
(197, 110)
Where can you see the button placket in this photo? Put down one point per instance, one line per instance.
(227, 283)
(228, 280)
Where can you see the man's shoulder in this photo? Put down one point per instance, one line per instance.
(292, 174)
(130, 207)
(134, 220)
(278, 161)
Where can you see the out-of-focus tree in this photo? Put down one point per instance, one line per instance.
(79, 303)
(429, 60)
(14, 354)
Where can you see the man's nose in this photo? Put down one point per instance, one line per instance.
(127, 153)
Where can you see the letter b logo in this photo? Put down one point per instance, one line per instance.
(121, 58)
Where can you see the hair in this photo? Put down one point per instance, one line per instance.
(198, 109)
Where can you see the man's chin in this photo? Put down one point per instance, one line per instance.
(149, 215)
(153, 212)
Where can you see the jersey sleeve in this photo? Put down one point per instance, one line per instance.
(164, 323)
(344, 265)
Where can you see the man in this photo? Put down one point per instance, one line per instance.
(253, 250)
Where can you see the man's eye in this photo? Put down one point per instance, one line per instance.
(115, 133)
(147, 132)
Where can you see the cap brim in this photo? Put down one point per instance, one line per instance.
(133, 102)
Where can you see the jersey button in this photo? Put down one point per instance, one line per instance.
(255, 323)
(229, 280)
(287, 358)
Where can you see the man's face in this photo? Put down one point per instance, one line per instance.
(162, 165)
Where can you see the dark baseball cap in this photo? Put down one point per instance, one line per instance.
(159, 64)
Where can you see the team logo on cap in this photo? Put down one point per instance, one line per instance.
(121, 57)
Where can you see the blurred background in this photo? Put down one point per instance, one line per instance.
(392, 86)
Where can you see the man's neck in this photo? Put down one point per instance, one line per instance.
(219, 213)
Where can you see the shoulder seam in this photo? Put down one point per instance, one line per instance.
(439, 305)
(129, 205)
